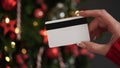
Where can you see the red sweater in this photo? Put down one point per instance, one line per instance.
(114, 52)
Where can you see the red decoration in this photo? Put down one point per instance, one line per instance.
(23, 66)
(44, 34)
(8, 27)
(44, 7)
(45, 39)
(19, 59)
(7, 66)
(83, 51)
(25, 56)
(67, 50)
(91, 55)
(52, 53)
(1, 56)
(72, 49)
(38, 13)
(12, 35)
(8, 4)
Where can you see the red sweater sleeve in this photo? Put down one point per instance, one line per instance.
(114, 52)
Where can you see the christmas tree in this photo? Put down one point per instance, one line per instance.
(23, 38)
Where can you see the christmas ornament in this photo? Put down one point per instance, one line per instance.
(23, 66)
(74, 50)
(8, 4)
(91, 55)
(1, 56)
(25, 56)
(45, 40)
(44, 7)
(19, 59)
(66, 50)
(44, 34)
(83, 51)
(12, 35)
(8, 26)
(38, 13)
(52, 53)
(7, 66)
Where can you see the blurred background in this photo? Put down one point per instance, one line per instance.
(23, 38)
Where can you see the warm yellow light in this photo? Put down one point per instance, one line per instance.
(24, 51)
(13, 44)
(35, 23)
(7, 20)
(5, 48)
(77, 12)
(17, 30)
(7, 59)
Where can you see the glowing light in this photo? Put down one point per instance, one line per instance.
(13, 44)
(5, 48)
(24, 51)
(7, 20)
(17, 30)
(62, 14)
(43, 32)
(35, 23)
(77, 12)
(60, 5)
(7, 59)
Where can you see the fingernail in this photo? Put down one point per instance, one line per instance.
(82, 45)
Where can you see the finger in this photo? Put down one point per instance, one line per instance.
(93, 25)
(97, 33)
(90, 13)
(94, 47)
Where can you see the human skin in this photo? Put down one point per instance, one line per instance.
(102, 22)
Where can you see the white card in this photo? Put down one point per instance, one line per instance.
(67, 31)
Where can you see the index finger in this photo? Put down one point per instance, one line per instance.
(91, 13)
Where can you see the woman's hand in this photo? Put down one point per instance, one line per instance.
(102, 22)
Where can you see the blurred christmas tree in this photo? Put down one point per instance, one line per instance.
(23, 41)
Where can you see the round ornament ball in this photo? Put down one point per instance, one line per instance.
(8, 4)
(52, 53)
(38, 13)
(19, 59)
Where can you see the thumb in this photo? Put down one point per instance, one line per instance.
(94, 47)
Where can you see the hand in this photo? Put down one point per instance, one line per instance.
(102, 22)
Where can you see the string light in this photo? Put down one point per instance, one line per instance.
(5, 48)
(24, 51)
(17, 31)
(35, 23)
(62, 14)
(7, 59)
(77, 12)
(7, 20)
(13, 44)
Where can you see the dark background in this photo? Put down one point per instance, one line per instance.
(112, 6)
